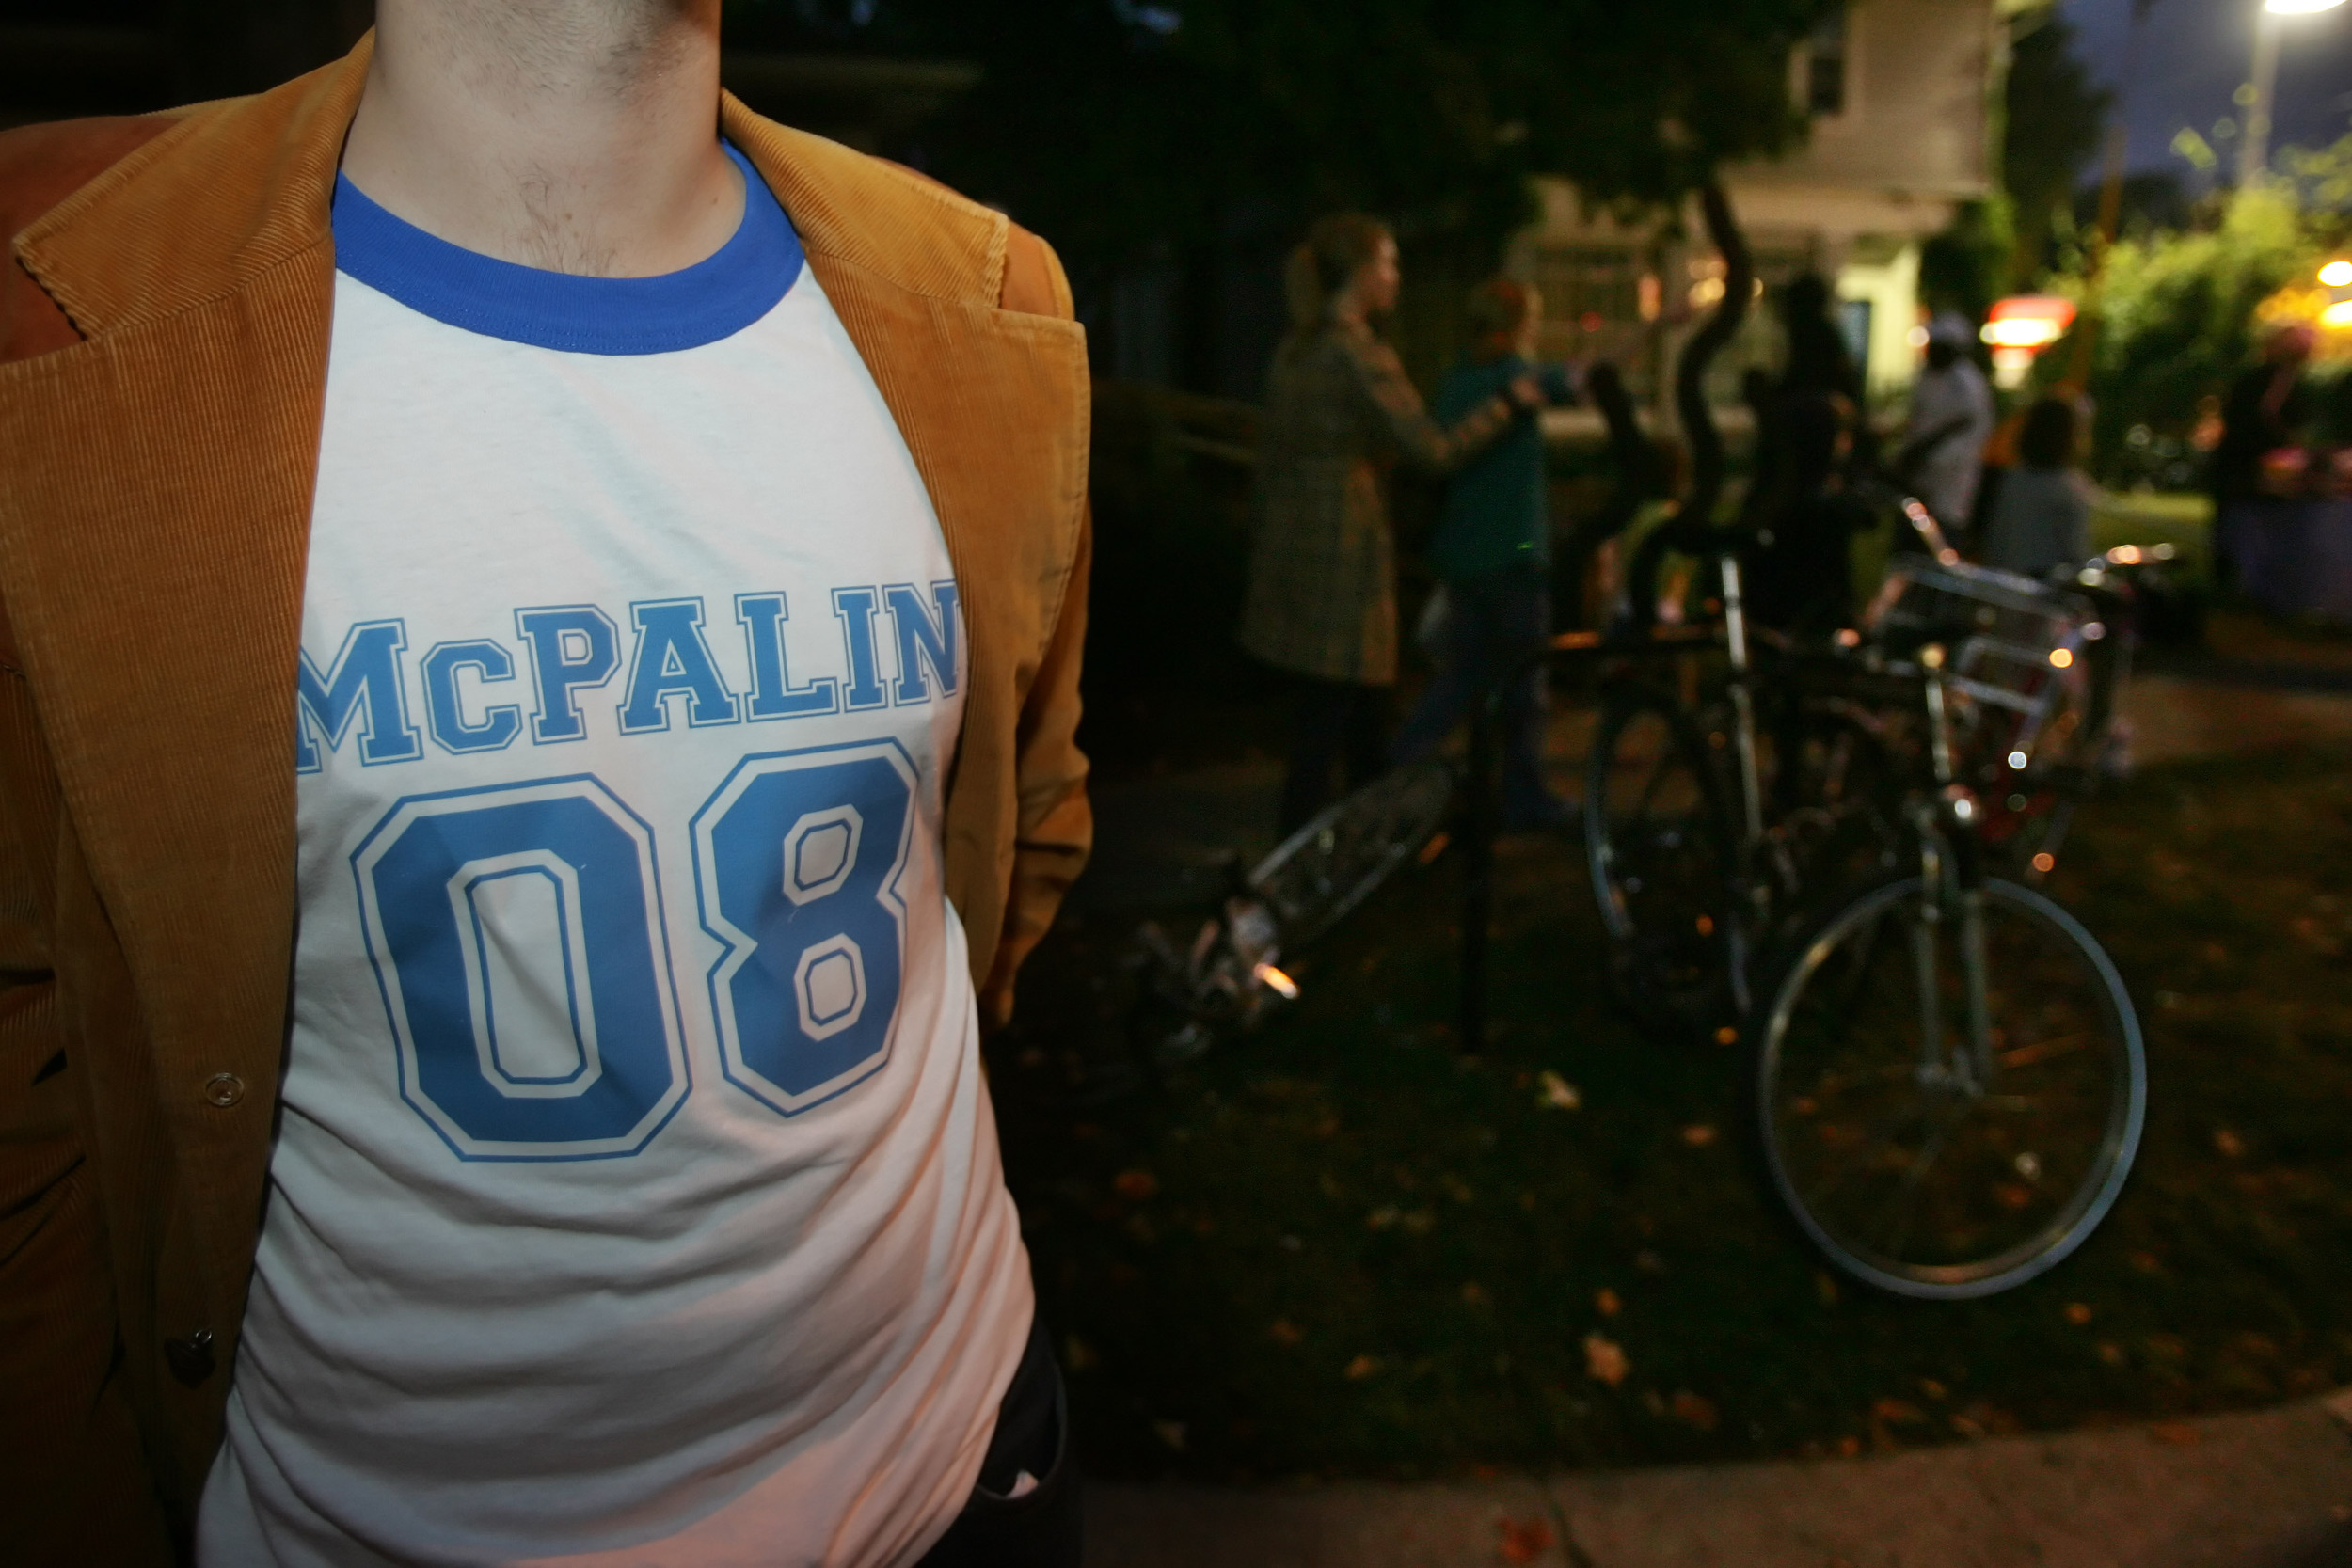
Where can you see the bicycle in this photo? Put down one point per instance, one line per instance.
(1705, 826)
(1229, 979)
(1949, 1079)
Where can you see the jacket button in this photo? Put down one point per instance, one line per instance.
(223, 1089)
(190, 1357)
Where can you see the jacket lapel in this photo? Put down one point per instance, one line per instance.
(151, 544)
(994, 406)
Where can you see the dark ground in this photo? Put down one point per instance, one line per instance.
(1339, 1247)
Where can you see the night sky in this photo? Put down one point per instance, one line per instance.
(2198, 53)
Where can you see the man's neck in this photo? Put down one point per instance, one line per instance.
(573, 136)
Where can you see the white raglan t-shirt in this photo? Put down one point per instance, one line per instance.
(636, 1198)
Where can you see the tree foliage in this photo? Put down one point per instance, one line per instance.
(2176, 312)
(2053, 116)
(1112, 124)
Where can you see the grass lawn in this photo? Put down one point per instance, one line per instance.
(1340, 1248)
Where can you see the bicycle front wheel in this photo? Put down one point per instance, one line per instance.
(1942, 1124)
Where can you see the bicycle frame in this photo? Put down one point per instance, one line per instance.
(1952, 873)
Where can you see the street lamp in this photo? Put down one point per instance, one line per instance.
(2253, 149)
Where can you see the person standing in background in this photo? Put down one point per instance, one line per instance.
(2267, 410)
(2043, 518)
(1811, 437)
(1951, 420)
(1492, 550)
(1321, 603)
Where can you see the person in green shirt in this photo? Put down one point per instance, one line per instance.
(1492, 550)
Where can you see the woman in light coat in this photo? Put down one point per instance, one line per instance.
(1321, 605)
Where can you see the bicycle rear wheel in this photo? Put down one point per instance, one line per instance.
(1917, 1159)
(1315, 877)
(1658, 845)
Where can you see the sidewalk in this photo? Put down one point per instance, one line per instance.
(2268, 1490)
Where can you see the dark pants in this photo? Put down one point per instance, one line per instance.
(1332, 722)
(1042, 1528)
(1494, 623)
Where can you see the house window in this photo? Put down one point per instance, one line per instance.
(1824, 71)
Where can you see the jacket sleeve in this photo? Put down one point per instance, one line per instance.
(1054, 828)
(1437, 448)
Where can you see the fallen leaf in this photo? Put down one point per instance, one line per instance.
(1076, 1354)
(1605, 1302)
(1285, 1332)
(1847, 1447)
(1698, 1135)
(1933, 1389)
(1362, 1368)
(2077, 1313)
(1524, 1541)
(1650, 1263)
(1171, 1432)
(1383, 1217)
(1967, 1428)
(1474, 1294)
(2179, 1434)
(1696, 1409)
(1896, 1412)
(1557, 1094)
(2147, 1263)
(2012, 1196)
(2111, 1353)
(2229, 1143)
(1825, 1288)
(1137, 1186)
(1605, 1361)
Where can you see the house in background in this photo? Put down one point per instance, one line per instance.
(1903, 96)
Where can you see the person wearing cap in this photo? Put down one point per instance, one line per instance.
(1951, 419)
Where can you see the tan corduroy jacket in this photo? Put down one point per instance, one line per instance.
(164, 325)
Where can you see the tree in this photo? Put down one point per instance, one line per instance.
(2176, 312)
(2055, 116)
(1113, 125)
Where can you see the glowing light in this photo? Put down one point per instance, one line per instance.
(2124, 555)
(2024, 332)
(2061, 659)
(2045, 861)
(2336, 274)
(2017, 762)
(2299, 7)
(2028, 321)
(1276, 981)
(2338, 314)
